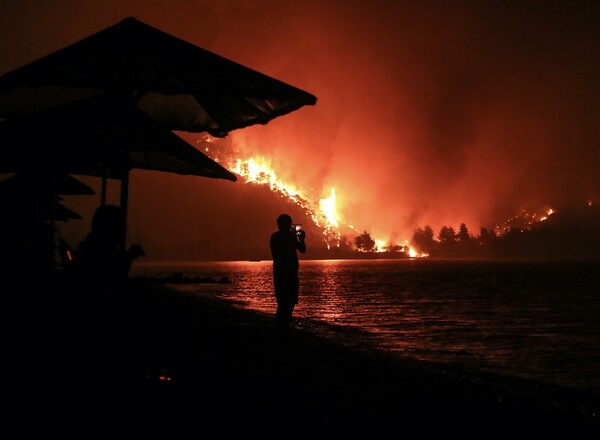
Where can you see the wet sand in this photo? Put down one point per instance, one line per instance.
(197, 366)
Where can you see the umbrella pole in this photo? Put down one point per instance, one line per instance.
(54, 201)
(124, 202)
(103, 191)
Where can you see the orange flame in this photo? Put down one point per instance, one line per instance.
(324, 212)
(328, 208)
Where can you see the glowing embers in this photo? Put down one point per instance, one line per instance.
(522, 222)
(159, 374)
(548, 214)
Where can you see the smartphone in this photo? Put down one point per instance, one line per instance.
(298, 228)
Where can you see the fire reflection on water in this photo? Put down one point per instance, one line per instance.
(252, 286)
(328, 289)
(510, 317)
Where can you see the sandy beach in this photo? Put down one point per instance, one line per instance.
(198, 365)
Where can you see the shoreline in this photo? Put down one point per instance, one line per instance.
(565, 401)
(207, 363)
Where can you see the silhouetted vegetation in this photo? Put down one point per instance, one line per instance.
(364, 242)
(567, 233)
(572, 232)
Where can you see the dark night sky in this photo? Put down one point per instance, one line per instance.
(428, 113)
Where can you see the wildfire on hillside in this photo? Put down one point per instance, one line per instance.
(324, 211)
(523, 222)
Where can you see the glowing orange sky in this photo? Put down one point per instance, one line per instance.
(428, 113)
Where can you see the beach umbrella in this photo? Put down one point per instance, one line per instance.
(102, 137)
(178, 84)
(174, 83)
(62, 213)
(30, 206)
(35, 197)
(27, 182)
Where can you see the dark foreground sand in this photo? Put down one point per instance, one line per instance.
(226, 372)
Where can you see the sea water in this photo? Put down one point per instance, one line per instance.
(534, 320)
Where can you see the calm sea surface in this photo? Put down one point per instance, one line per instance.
(534, 320)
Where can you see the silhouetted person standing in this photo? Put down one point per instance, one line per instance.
(284, 245)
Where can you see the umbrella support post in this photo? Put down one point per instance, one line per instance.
(103, 191)
(124, 202)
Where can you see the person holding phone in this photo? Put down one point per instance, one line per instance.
(285, 244)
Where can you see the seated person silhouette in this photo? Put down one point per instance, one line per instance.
(112, 316)
(100, 259)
